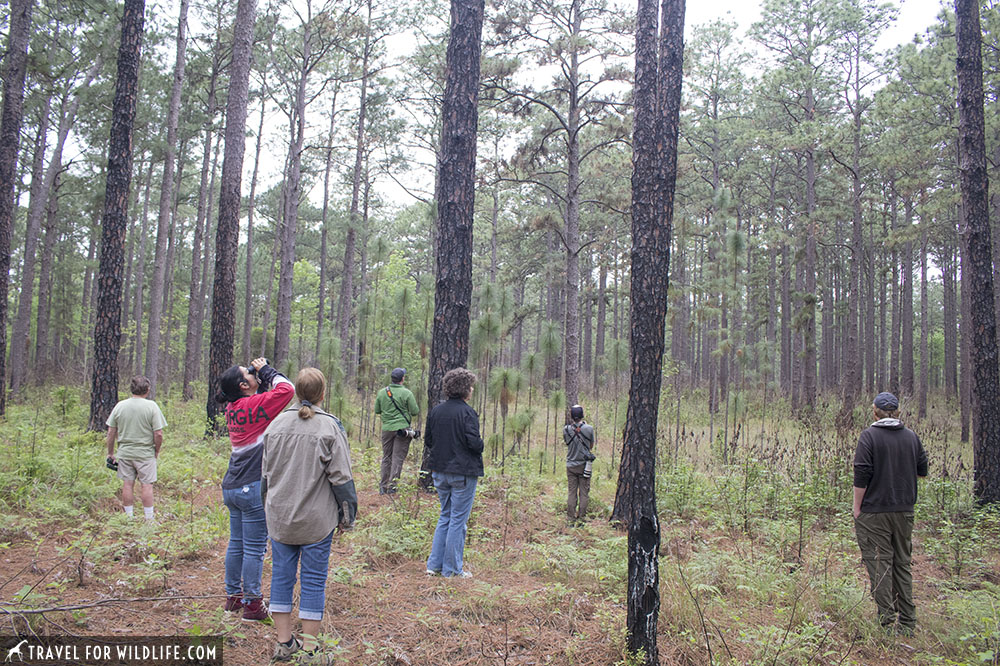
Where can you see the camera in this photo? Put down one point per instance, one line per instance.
(111, 463)
(412, 433)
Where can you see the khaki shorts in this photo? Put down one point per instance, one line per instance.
(145, 470)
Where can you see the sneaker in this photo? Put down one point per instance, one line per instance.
(317, 657)
(233, 603)
(431, 572)
(461, 574)
(284, 652)
(254, 610)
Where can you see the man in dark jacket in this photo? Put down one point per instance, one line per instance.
(888, 460)
(455, 459)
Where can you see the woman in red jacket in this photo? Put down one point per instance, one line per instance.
(254, 396)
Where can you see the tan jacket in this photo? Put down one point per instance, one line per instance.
(304, 461)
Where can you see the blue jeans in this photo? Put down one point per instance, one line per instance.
(247, 540)
(285, 562)
(456, 493)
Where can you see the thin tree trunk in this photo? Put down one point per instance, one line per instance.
(157, 292)
(51, 234)
(320, 314)
(248, 299)
(906, 343)
(140, 273)
(227, 235)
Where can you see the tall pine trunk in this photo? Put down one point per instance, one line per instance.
(227, 234)
(975, 207)
(15, 65)
(160, 262)
(107, 329)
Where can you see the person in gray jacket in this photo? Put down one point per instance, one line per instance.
(308, 492)
(579, 438)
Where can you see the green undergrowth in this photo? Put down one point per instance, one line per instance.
(758, 562)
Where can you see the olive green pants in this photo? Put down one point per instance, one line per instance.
(578, 492)
(886, 549)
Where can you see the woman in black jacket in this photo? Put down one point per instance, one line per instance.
(456, 462)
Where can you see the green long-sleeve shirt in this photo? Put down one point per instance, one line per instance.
(392, 418)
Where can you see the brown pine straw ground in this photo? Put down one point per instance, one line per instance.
(383, 609)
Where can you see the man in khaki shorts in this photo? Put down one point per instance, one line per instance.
(137, 424)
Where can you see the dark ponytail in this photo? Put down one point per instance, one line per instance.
(229, 385)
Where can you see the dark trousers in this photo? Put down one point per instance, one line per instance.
(394, 450)
(886, 546)
(579, 492)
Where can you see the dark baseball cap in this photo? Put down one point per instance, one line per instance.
(576, 411)
(887, 402)
(398, 374)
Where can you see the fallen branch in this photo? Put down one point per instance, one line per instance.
(9, 610)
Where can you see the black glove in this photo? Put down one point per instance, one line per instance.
(347, 504)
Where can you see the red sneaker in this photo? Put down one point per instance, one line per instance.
(233, 603)
(254, 610)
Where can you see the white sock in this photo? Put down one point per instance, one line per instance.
(148, 510)
(128, 510)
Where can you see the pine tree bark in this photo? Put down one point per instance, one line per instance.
(43, 364)
(157, 291)
(320, 314)
(15, 66)
(248, 299)
(924, 331)
(227, 234)
(949, 323)
(456, 195)
(658, 75)
(975, 207)
(196, 303)
(107, 329)
(346, 301)
(906, 384)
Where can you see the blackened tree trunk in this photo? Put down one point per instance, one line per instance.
(456, 195)
(227, 234)
(157, 292)
(654, 144)
(975, 207)
(15, 64)
(107, 329)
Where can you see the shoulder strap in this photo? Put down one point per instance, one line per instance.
(388, 392)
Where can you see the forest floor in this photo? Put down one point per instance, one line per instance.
(758, 564)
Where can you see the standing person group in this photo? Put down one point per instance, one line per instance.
(888, 460)
(136, 424)
(579, 439)
(397, 407)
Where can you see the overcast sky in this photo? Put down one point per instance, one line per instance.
(914, 16)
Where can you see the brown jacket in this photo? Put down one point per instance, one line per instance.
(306, 462)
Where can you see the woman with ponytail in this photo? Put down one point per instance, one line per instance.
(254, 396)
(308, 492)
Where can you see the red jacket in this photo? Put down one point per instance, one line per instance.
(247, 419)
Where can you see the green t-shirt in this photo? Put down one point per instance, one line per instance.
(136, 419)
(392, 419)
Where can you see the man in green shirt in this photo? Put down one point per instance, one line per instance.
(397, 407)
(137, 424)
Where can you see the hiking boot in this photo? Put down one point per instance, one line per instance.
(254, 610)
(233, 603)
(317, 657)
(284, 652)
